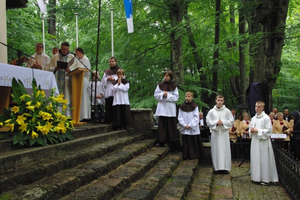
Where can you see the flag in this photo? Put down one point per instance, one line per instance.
(128, 10)
(43, 6)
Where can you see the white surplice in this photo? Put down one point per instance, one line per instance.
(191, 119)
(121, 94)
(263, 166)
(100, 90)
(42, 59)
(220, 144)
(166, 106)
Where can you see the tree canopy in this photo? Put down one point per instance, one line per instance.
(179, 35)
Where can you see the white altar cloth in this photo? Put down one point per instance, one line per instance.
(43, 78)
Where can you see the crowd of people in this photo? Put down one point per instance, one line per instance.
(111, 104)
(109, 94)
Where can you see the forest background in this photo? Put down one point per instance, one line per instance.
(211, 46)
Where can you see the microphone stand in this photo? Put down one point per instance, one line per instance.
(19, 52)
(95, 100)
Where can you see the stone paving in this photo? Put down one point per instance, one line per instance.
(243, 188)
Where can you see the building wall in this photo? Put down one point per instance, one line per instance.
(3, 34)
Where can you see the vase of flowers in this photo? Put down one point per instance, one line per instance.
(37, 119)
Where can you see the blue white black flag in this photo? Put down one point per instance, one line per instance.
(128, 10)
(43, 5)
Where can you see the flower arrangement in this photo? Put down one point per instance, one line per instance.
(36, 119)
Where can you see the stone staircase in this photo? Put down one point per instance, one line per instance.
(101, 164)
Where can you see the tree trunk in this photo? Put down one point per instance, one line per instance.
(267, 30)
(52, 17)
(197, 57)
(242, 60)
(216, 52)
(176, 15)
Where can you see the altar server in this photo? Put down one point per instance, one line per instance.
(188, 119)
(219, 119)
(263, 166)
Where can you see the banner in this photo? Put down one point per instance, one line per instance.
(43, 6)
(128, 10)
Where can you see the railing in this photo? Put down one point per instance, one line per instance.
(240, 150)
(288, 170)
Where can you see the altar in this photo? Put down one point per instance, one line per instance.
(45, 79)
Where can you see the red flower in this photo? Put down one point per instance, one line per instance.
(281, 123)
(247, 122)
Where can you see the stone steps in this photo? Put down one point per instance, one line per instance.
(102, 164)
(154, 180)
(108, 186)
(48, 166)
(68, 180)
(14, 158)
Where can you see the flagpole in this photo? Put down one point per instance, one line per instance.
(76, 29)
(112, 31)
(43, 20)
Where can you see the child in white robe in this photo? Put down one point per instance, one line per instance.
(121, 105)
(189, 125)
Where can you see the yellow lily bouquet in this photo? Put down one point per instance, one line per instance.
(36, 119)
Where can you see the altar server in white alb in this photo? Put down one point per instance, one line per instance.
(188, 119)
(121, 105)
(263, 166)
(166, 93)
(219, 119)
(84, 62)
(63, 81)
(39, 60)
(100, 101)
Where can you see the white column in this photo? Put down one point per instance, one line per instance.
(76, 29)
(112, 31)
(3, 32)
(43, 20)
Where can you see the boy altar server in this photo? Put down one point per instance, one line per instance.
(263, 166)
(188, 119)
(219, 119)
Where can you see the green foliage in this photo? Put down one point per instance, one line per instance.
(145, 54)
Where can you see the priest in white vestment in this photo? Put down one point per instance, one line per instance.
(219, 119)
(263, 166)
(84, 62)
(63, 81)
(38, 60)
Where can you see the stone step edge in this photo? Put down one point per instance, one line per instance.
(156, 178)
(202, 184)
(180, 181)
(20, 157)
(115, 182)
(37, 170)
(6, 144)
(66, 181)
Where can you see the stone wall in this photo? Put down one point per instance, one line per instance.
(142, 120)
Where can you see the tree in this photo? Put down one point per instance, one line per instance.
(267, 22)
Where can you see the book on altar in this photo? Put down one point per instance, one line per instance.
(65, 65)
(278, 136)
